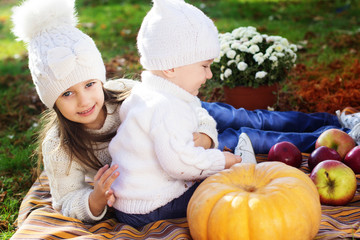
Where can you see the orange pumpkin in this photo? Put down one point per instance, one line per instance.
(270, 200)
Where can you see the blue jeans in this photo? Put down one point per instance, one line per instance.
(174, 209)
(266, 128)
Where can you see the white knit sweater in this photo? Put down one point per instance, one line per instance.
(69, 190)
(154, 146)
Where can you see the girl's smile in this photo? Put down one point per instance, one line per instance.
(87, 112)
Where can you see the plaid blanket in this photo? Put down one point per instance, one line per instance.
(38, 220)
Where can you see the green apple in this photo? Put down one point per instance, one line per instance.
(337, 140)
(336, 182)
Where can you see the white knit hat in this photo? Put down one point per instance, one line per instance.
(174, 34)
(60, 55)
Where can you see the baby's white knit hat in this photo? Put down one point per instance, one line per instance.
(174, 34)
(60, 55)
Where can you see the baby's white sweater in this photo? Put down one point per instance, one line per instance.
(154, 146)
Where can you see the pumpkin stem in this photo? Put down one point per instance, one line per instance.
(250, 188)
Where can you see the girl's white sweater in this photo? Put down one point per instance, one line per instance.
(68, 188)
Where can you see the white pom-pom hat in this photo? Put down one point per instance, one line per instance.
(60, 55)
(174, 34)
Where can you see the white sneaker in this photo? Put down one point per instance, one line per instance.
(245, 149)
(348, 118)
(355, 133)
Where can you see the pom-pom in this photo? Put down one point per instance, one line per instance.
(34, 16)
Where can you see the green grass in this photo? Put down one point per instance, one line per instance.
(12, 190)
(113, 25)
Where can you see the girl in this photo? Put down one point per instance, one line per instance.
(69, 73)
(82, 116)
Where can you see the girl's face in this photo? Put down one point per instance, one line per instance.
(191, 77)
(83, 103)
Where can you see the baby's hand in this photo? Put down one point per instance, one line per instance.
(231, 159)
(202, 140)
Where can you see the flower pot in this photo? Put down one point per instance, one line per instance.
(251, 98)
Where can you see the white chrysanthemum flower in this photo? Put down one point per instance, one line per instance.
(227, 73)
(273, 39)
(237, 32)
(243, 48)
(222, 77)
(235, 45)
(259, 58)
(230, 62)
(269, 39)
(269, 50)
(279, 48)
(247, 44)
(257, 39)
(231, 54)
(260, 74)
(250, 32)
(222, 68)
(284, 42)
(293, 47)
(237, 58)
(226, 36)
(277, 38)
(217, 60)
(244, 40)
(273, 58)
(254, 49)
(222, 53)
(242, 66)
(290, 53)
(225, 46)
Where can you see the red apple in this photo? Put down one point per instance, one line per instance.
(336, 182)
(352, 159)
(322, 153)
(336, 139)
(285, 152)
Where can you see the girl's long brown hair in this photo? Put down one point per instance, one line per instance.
(73, 137)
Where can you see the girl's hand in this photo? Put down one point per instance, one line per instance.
(102, 194)
(202, 140)
(231, 159)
